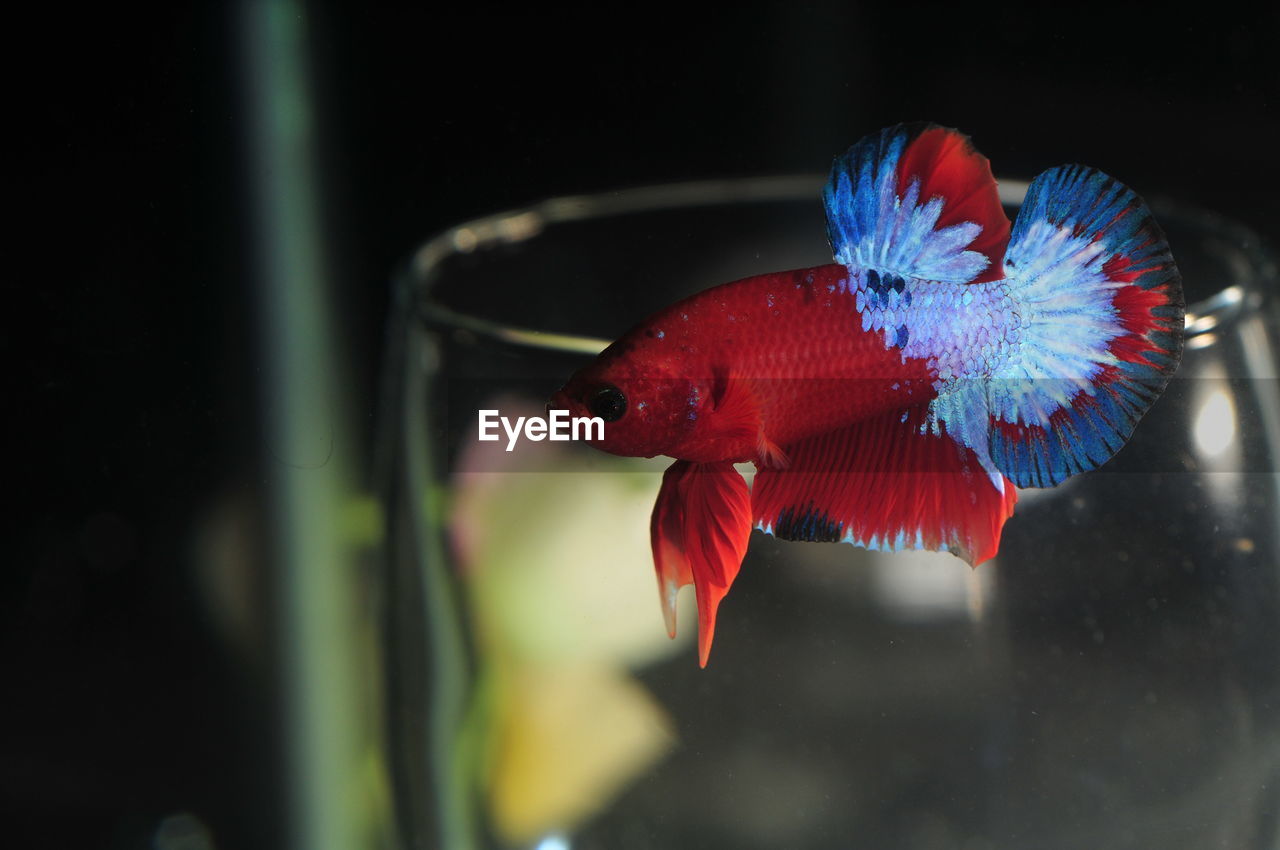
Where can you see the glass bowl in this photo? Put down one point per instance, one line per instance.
(1109, 680)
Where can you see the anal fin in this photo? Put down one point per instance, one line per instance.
(886, 483)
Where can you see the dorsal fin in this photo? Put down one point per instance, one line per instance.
(916, 200)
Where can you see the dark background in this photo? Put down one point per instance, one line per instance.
(132, 340)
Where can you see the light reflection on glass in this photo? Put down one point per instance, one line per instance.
(553, 842)
(1214, 310)
(1203, 340)
(1215, 427)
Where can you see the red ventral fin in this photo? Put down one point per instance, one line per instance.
(699, 529)
(947, 166)
(882, 484)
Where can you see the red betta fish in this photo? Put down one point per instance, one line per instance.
(895, 398)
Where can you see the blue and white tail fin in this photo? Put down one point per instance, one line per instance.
(1101, 327)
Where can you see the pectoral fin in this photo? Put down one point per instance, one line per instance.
(738, 420)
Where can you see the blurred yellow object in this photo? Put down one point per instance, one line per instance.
(554, 547)
(569, 738)
(560, 567)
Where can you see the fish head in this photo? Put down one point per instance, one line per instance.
(647, 404)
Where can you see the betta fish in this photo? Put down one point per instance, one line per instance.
(896, 398)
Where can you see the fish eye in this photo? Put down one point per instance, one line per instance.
(608, 403)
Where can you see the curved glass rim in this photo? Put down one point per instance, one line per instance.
(521, 224)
